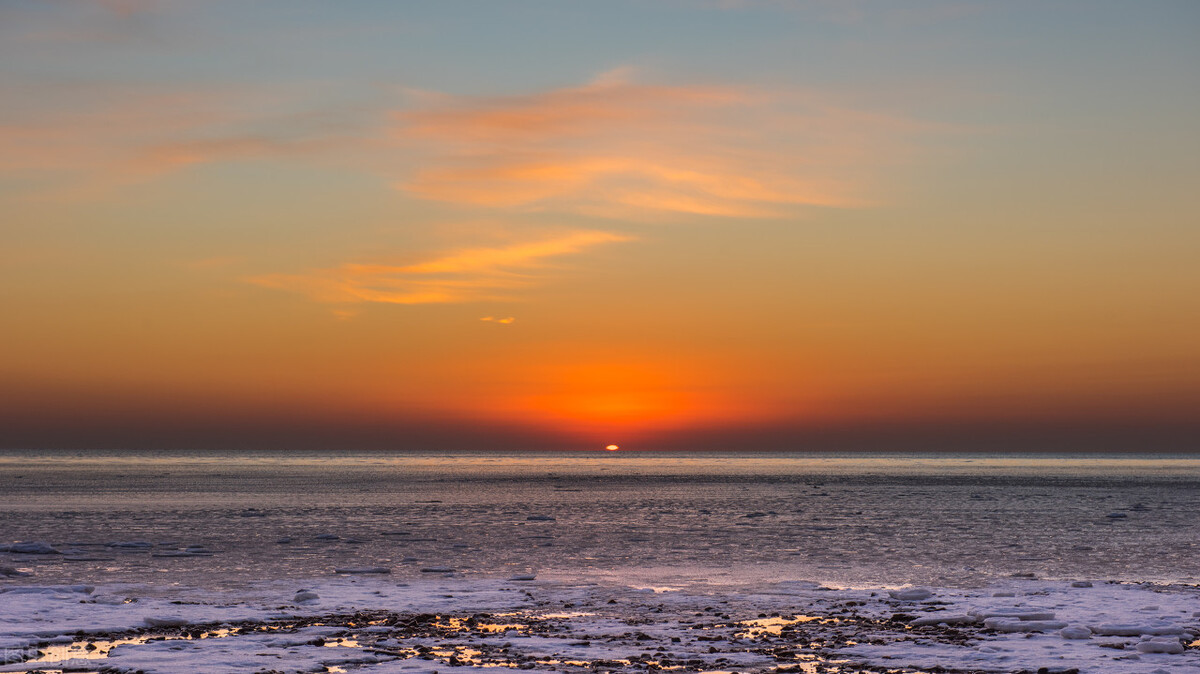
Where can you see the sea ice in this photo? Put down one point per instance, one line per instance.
(952, 619)
(1075, 632)
(1010, 625)
(911, 594)
(1160, 645)
(30, 548)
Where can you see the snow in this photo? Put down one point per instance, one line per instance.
(449, 623)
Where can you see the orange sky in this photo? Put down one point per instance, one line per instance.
(931, 227)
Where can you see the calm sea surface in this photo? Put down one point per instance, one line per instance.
(852, 519)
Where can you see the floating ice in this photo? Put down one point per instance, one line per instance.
(911, 594)
(1075, 632)
(1017, 614)
(30, 548)
(1135, 630)
(1160, 645)
(1010, 625)
(953, 619)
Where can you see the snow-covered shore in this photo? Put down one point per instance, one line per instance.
(374, 623)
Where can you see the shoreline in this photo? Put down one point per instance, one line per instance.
(378, 624)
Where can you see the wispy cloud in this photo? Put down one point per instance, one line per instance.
(508, 320)
(617, 148)
(87, 140)
(469, 275)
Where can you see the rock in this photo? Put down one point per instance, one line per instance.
(1082, 583)
(13, 572)
(364, 569)
(437, 569)
(130, 545)
(1116, 516)
(541, 518)
(1009, 625)
(1075, 632)
(1172, 646)
(524, 576)
(326, 537)
(305, 595)
(30, 548)
(1004, 594)
(284, 541)
(910, 594)
(164, 622)
(952, 619)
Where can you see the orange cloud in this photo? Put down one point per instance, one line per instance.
(616, 148)
(467, 276)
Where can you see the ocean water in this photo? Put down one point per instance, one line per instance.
(848, 520)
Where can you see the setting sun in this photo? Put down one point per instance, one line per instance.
(612, 448)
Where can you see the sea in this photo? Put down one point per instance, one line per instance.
(223, 519)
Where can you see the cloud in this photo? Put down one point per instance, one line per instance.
(621, 149)
(469, 275)
(503, 321)
(86, 140)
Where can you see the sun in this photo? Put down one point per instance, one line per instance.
(612, 448)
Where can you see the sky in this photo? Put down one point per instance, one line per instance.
(674, 224)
